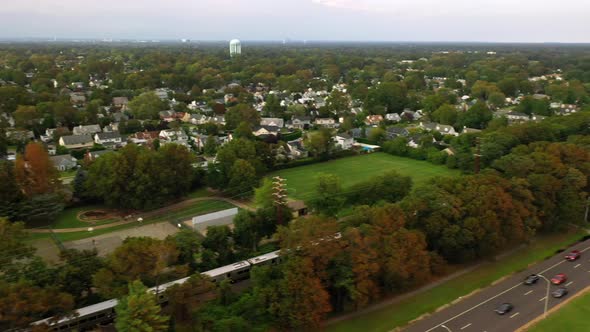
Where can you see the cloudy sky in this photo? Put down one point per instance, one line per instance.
(371, 20)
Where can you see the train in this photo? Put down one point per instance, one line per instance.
(104, 312)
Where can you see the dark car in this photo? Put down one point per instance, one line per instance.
(559, 293)
(572, 256)
(559, 279)
(532, 279)
(504, 308)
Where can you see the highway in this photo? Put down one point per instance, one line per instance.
(476, 312)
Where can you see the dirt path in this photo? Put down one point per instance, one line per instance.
(149, 214)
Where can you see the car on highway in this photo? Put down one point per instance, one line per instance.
(559, 279)
(573, 255)
(504, 308)
(530, 280)
(559, 293)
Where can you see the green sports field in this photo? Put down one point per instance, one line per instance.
(301, 181)
(572, 317)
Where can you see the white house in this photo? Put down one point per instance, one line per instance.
(274, 122)
(112, 137)
(393, 117)
(344, 141)
(265, 130)
(172, 135)
(325, 122)
(86, 130)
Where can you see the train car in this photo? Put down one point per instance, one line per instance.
(83, 318)
(234, 272)
(267, 259)
(161, 289)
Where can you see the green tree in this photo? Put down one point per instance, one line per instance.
(476, 117)
(241, 113)
(12, 243)
(142, 258)
(210, 146)
(446, 114)
(244, 130)
(320, 143)
(146, 106)
(139, 311)
(242, 179)
(328, 198)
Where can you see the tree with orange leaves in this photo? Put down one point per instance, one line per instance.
(34, 171)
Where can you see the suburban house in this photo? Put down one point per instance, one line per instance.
(19, 135)
(443, 129)
(325, 122)
(50, 133)
(373, 120)
(170, 116)
(344, 141)
(174, 136)
(296, 149)
(265, 130)
(469, 130)
(92, 155)
(414, 140)
(301, 123)
(144, 137)
(273, 122)
(64, 163)
(411, 115)
(393, 117)
(162, 93)
(120, 103)
(566, 109)
(195, 119)
(86, 130)
(76, 141)
(393, 132)
(77, 98)
(113, 126)
(538, 118)
(517, 117)
(219, 120)
(107, 138)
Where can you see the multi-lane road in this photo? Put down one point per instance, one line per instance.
(476, 312)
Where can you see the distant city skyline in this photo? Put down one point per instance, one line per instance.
(329, 20)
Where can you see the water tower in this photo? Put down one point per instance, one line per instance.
(235, 47)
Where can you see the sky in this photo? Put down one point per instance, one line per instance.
(337, 20)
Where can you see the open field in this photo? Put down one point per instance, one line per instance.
(68, 218)
(399, 313)
(572, 317)
(180, 214)
(106, 243)
(352, 170)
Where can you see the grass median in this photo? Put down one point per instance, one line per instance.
(402, 312)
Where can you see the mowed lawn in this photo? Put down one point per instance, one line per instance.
(301, 181)
(572, 317)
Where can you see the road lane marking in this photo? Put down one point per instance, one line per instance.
(569, 283)
(516, 314)
(575, 267)
(542, 299)
(497, 295)
(466, 326)
(527, 293)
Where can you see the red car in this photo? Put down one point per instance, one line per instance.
(572, 256)
(559, 279)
